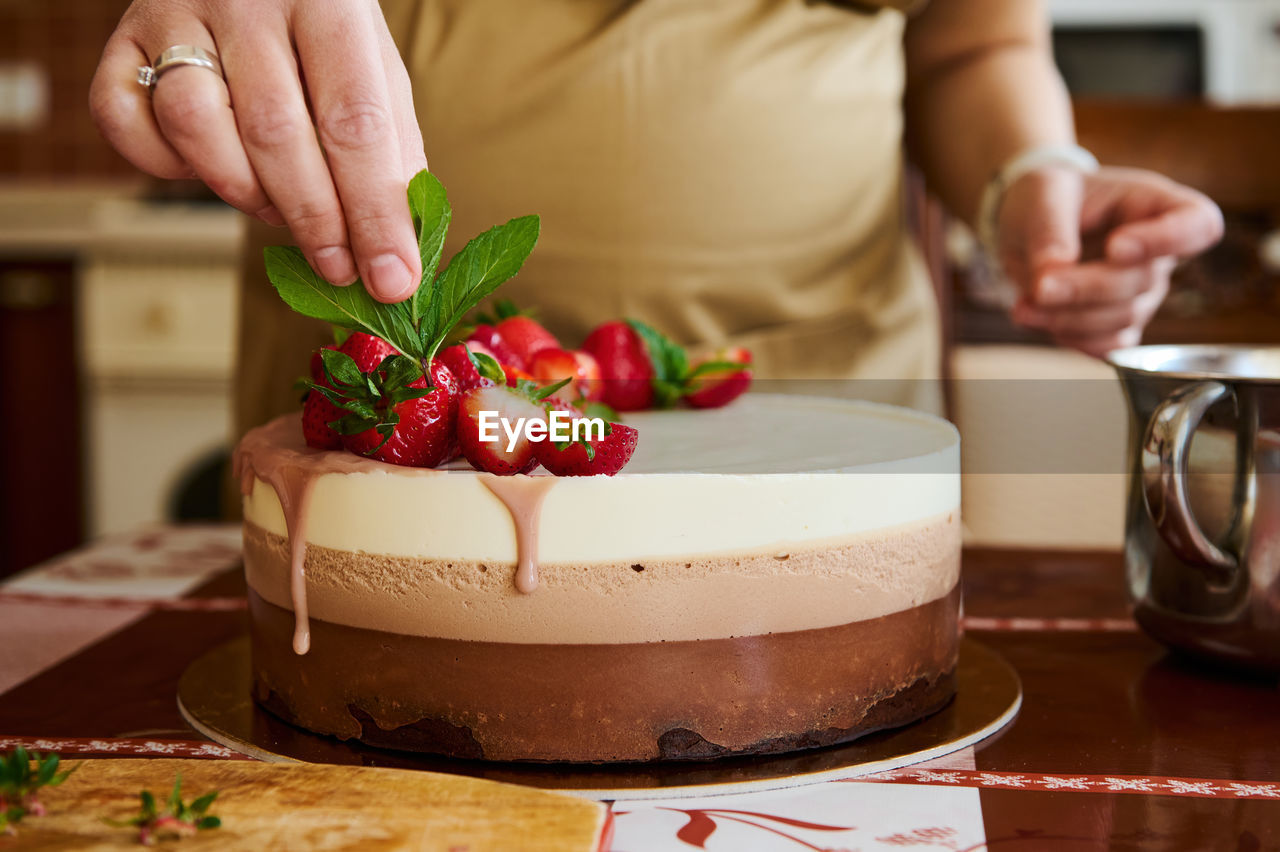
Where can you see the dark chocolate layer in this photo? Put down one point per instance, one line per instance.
(607, 703)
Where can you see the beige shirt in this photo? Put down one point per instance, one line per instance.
(729, 171)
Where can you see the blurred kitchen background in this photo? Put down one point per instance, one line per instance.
(117, 293)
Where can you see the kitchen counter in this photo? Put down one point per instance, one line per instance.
(1117, 742)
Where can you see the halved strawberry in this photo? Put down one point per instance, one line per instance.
(599, 457)
(491, 431)
(625, 366)
(515, 375)
(488, 336)
(583, 371)
(719, 379)
(526, 338)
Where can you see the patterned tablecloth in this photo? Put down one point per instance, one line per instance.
(1117, 744)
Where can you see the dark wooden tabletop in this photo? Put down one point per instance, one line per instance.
(1103, 705)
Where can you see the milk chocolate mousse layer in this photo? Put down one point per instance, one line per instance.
(609, 702)
(706, 596)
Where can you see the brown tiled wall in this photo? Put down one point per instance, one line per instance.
(65, 37)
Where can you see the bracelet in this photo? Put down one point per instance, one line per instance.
(1029, 160)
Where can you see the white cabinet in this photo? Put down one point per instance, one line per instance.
(157, 329)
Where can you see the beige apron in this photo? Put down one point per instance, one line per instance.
(727, 170)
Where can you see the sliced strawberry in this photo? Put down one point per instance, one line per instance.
(515, 375)
(600, 457)
(493, 450)
(717, 381)
(552, 365)
(624, 364)
(488, 336)
(526, 338)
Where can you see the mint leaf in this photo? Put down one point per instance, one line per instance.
(473, 273)
(350, 307)
(429, 206)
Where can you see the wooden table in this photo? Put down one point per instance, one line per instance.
(1118, 744)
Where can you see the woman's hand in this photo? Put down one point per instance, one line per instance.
(314, 127)
(1142, 224)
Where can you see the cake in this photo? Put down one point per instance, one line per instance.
(778, 574)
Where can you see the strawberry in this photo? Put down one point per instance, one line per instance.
(499, 454)
(599, 457)
(416, 431)
(715, 381)
(386, 409)
(488, 336)
(624, 364)
(526, 337)
(317, 414)
(317, 368)
(366, 350)
(467, 363)
(515, 375)
(583, 371)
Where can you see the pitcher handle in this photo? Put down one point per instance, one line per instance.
(1165, 448)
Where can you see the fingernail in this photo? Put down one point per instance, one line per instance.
(389, 279)
(271, 216)
(1125, 250)
(336, 265)
(1053, 291)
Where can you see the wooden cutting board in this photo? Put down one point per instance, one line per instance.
(286, 807)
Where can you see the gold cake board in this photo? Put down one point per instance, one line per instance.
(214, 697)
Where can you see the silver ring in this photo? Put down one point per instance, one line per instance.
(172, 57)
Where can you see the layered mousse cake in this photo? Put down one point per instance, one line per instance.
(781, 573)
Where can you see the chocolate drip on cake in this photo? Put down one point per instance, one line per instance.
(523, 496)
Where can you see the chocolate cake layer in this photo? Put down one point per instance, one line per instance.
(609, 702)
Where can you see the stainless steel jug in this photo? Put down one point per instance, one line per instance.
(1202, 540)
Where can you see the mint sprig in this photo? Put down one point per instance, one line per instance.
(418, 326)
(176, 818)
(20, 781)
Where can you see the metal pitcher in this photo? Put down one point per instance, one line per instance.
(1202, 539)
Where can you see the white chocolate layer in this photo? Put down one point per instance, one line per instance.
(851, 468)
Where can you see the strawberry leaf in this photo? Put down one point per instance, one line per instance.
(487, 366)
(340, 369)
(669, 360)
(399, 372)
(351, 307)
(429, 206)
(539, 394)
(716, 367)
(473, 273)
